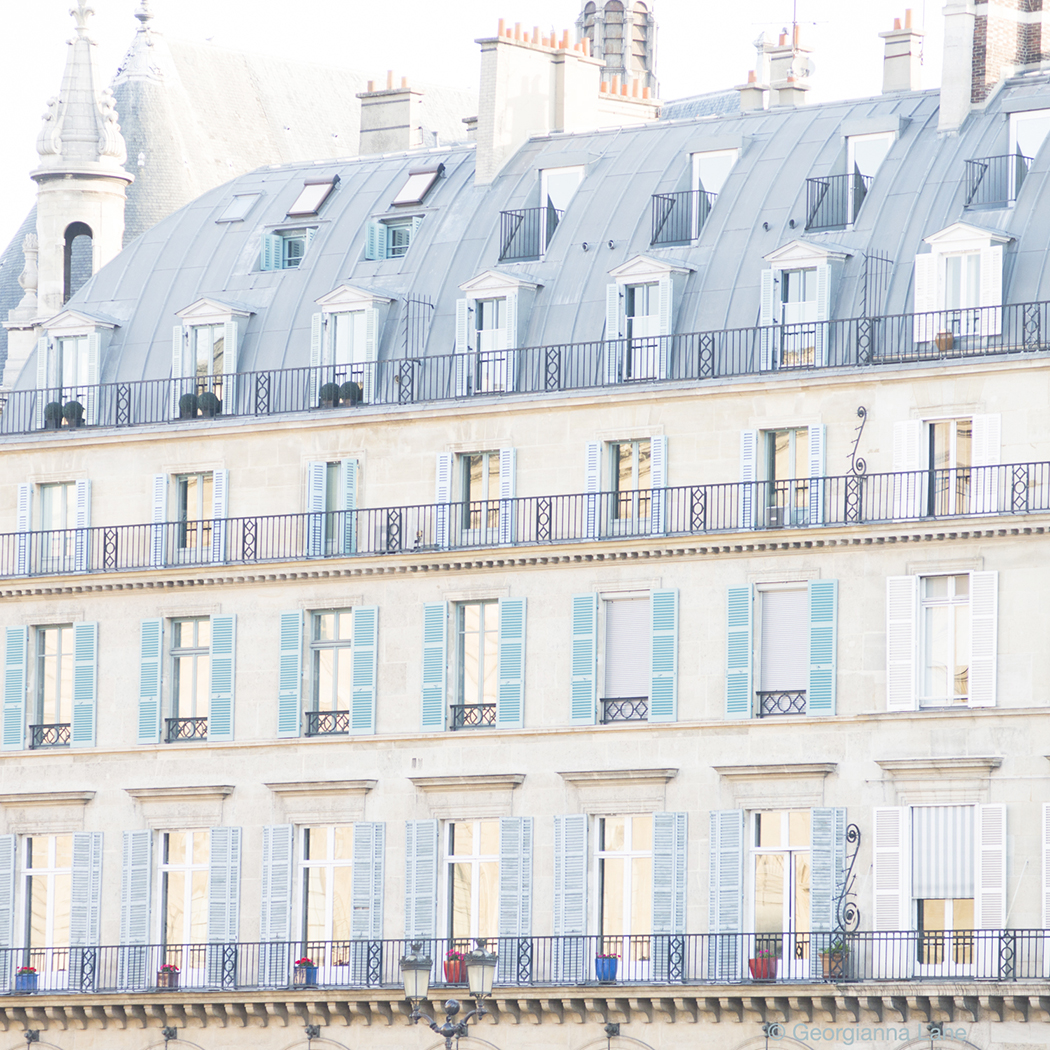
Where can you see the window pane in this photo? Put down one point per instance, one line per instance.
(317, 887)
(645, 474)
(769, 893)
(174, 919)
(768, 830)
(490, 665)
(316, 843)
(615, 836)
(461, 887)
(962, 650)
(63, 851)
(641, 833)
(344, 679)
(344, 843)
(198, 931)
(712, 169)
(346, 626)
(962, 586)
(962, 914)
(324, 626)
(488, 838)
(933, 915)
(416, 187)
(38, 911)
(200, 848)
(935, 586)
(60, 911)
(488, 899)
(798, 828)
(801, 903)
(175, 847)
(963, 443)
(310, 199)
(613, 869)
(470, 653)
(641, 895)
(938, 656)
(561, 186)
(203, 687)
(325, 663)
(342, 902)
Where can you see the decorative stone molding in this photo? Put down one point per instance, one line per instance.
(937, 781)
(609, 792)
(175, 808)
(791, 784)
(45, 812)
(465, 797)
(322, 801)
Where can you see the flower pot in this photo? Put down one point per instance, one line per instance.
(305, 975)
(834, 964)
(455, 971)
(944, 341)
(605, 968)
(764, 969)
(167, 978)
(25, 982)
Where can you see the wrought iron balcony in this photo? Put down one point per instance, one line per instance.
(327, 723)
(54, 735)
(594, 517)
(781, 702)
(625, 709)
(524, 233)
(679, 217)
(693, 357)
(833, 201)
(472, 716)
(185, 729)
(995, 181)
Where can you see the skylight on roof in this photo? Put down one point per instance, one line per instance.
(239, 207)
(418, 185)
(314, 193)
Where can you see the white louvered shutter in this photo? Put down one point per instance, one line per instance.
(584, 666)
(924, 327)
(443, 498)
(223, 674)
(275, 919)
(984, 616)
(366, 891)
(663, 662)
(316, 492)
(231, 353)
(349, 470)
(827, 854)
(739, 645)
(224, 885)
(749, 488)
(85, 890)
(85, 684)
(271, 252)
(509, 336)
(515, 893)
(767, 317)
(220, 481)
(421, 879)
(135, 885)
(570, 887)
(613, 348)
(992, 290)
(290, 673)
(43, 373)
(435, 631)
(665, 315)
(986, 457)
(180, 359)
(902, 642)
(823, 312)
(91, 394)
(892, 868)
(8, 855)
(82, 538)
(908, 465)
(151, 636)
(658, 524)
(592, 487)
(23, 520)
(16, 647)
(158, 533)
(510, 699)
(318, 355)
(371, 354)
(365, 664)
(462, 366)
(817, 441)
(669, 885)
(1046, 865)
(990, 868)
(726, 957)
(507, 483)
(372, 241)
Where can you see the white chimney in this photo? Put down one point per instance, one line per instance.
(957, 67)
(391, 118)
(789, 69)
(901, 68)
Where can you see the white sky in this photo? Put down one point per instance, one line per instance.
(703, 45)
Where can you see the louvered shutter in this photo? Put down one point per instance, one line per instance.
(767, 316)
(224, 885)
(94, 358)
(179, 359)
(290, 674)
(271, 255)
(584, 659)
(82, 538)
(749, 487)
(382, 243)
(570, 898)
(349, 471)
(316, 486)
(367, 881)
(827, 852)
(219, 487)
(443, 498)
(924, 327)
(435, 630)
(902, 642)
(665, 318)
(365, 656)
(984, 616)
(613, 348)
(1046, 865)
(85, 684)
(507, 507)
(15, 657)
(371, 354)
(136, 880)
(663, 689)
(43, 373)
(726, 895)
(985, 457)
(275, 923)
(992, 290)
(230, 362)
(223, 641)
(151, 636)
(22, 526)
(85, 893)
(908, 457)
(892, 869)
(421, 879)
(823, 636)
(510, 700)
(510, 338)
(658, 479)
(823, 312)
(8, 855)
(319, 354)
(462, 347)
(817, 443)
(669, 883)
(515, 898)
(592, 486)
(739, 645)
(159, 515)
(990, 867)
(372, 241)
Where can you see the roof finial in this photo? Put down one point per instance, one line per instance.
(81, 13)
(143, 12)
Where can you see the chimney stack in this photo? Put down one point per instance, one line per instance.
(788, 71)
(391, 118)
(901, 68)
(752, 94)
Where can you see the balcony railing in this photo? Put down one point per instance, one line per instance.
(185, 729)
(679, 217)
(664, 959)
(625, 709)
(995, 181)
(833, 201)
(920, 496)
(54, 735)
(524, 233)
(858, 342)
(781, 702)
(327, 723)
(472, 716)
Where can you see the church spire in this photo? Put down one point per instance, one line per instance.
(141, 62)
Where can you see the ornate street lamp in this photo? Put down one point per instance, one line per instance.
(481, 970)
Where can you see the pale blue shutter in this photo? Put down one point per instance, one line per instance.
(669, 882)
(816, 435)
(570, 898)
(348, 468)
(316, 486)
(507, 506)
(372, 241)
(749, 489)
(665, 315)
(612, 347)
(726, 895)
(827, 853)
(823, 630)
(365, 654)
(435, 630)
(511, 696)
(767, 315)
(515, 898)
(151, 636)
(224, 885)
(275, 921)
(223, 640)
(22, 525)
(317, 355)
(136, 879)
(290, 674)
(85, 901)
(738, 652)
(461, 365)
(15, 655)
(158, 532)
(421, 879)
(584, 659)
(179, 354)
(368, 391)
(8, 855)
(592, 486)
(658, 476)
(271, 255)
(663, 688)
(366, 894)
(823, 310)
(85, 684)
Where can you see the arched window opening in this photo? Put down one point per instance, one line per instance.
(589, 10)
(640, 42)
(78, 259)
(613, 43)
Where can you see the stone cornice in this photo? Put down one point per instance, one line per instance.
(474, 782)
(191, 792)
(301, 788)
(954, 768)
(782, 771)
(47, 798)
(619, 776)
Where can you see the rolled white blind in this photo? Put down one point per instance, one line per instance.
(627, 627)
(784, 653)
(942, 852)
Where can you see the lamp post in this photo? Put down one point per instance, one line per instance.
(415, 972)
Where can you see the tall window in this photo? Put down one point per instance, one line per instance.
(625, 887)
(632, 479)
(945, 670)
(184, 893)
(72, 361)
(193, 508)
(209, 346)
(865, 153)
(477, 659)
(628, 632)
(951, 456)
(48, 868)
(190, 679)
(787, 474)
(491, 317)
(58, 512)
(783, 650)
(781, 873)
(54, 691)
(479, 487)
(78, 259)
(332, 671)
(642, 313)
(348, 337)
(962, 281)
(798, 296)
(472, 857)
(327, 902)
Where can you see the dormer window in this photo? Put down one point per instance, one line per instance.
(68, 363)
(238, 207)
(204, 353)
(313, 194)
(344, 345)
(391, 238)
(418, 184)
(285, 249)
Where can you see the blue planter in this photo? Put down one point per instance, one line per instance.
(306, 975)
(605, 969)
(25, 982)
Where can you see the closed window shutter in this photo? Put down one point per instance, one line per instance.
(8, 854)
(367, 881)
(627, 648)
(892, 869)
(827, 852)
(584, 659)
(365, 656)
(275, 922)
(219, 487)
(224, 885)
(739, 626)
(515, 896)
(43, 372)
(990, 866)
(658, 467)
(669, 883)
(823, 644)
(23, 520)
(816, 474)
(1046, 865)
(135, 885)
(94, 357)
(349, 470)
(372, 241)
(924, 327)
(509, 332)
(984, 616)
(151, 635)
(510, 700)
(316, 486)
(15, 655)
(908, 456)
(290, 674)
(158, 533)
(231, 352)
(507, 510)
(82, 539)
(663, 687)
(942, 852)
(435, 631)
(382, 234)
(319, 354)
(85, 684)
(612, 347)
(421, 874)
(726, 894)
(371, 353)
(902, 642)
(570, 876)
(592, 486)
(462, 329)
(178, 353)
(986, 455)
(85, 890)
(223, 641)
(767, 316)
(783, 649)
(443, 497)
(748, 477)
(992, 290)
(823, 311)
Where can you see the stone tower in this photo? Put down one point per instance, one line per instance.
(623, 34)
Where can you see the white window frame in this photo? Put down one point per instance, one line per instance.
(196, 651)
(606, 601)
(1025, 116)
(344, 651)
(334, 956)
(189, 867)
(49, 956)
(63, 703)
(950, 602)
(890, 137)
(487, 529)
(475, 859)
(489, 624)
(760, 617)
(312, 197)
(635, 522)
(634, 949)
(201, 549)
